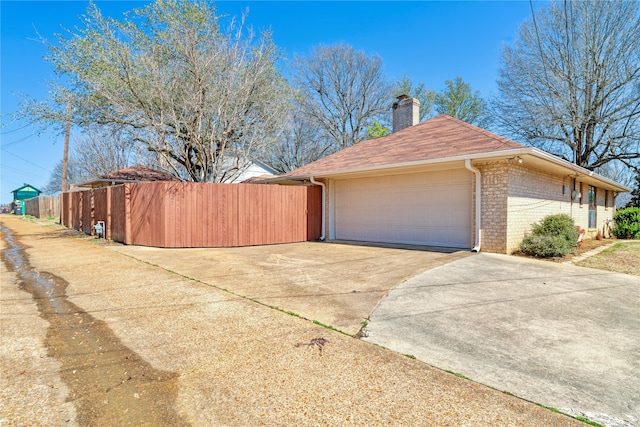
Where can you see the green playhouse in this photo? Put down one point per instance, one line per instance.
(20, 195)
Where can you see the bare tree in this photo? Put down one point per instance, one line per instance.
(344, 91)
(205, 100)
(571, 83)
(104, 149)
(75, 175)
(301, 143)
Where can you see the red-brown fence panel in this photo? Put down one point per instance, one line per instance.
(187, 215)
(86, 223)
(314, 212)
(147, 216)
(76, 210)
(101, 208)
(118, 214)
(65, 209)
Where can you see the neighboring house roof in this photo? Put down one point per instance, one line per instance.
(25, 192)
(253, 171)
(26, 187)
(268, 169)
(442, 139)
(135, 173)
(140, 173)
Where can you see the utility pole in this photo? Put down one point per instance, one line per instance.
(65, 156)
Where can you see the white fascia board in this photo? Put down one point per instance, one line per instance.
(580, 171)
(502, 154)
(462, 158)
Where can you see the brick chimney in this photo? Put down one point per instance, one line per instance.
(406, 112)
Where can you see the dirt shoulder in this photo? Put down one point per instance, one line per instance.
(234, 362)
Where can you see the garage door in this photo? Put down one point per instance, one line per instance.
(430, 208)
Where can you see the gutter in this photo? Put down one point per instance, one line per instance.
(497, 155)
(578, 169)
(324, 187)
(467, 164)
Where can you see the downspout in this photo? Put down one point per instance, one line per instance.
(321, 184)
(467, 164)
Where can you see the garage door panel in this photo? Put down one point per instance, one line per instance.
(431, 208)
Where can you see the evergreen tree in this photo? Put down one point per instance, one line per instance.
(635, 194)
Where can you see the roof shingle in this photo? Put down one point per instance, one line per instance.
(437, 138)
(138, 173)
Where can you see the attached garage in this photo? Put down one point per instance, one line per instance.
(428, 208)
(444, 182)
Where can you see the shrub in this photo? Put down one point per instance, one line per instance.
(554, 236)
(627, 223)
(545, 246)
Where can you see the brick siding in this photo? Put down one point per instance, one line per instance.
(493, 233)
(514, 197)
(532, 196)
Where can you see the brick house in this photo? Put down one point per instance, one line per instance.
(444, 182)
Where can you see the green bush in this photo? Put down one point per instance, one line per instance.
(627, 223)
(554, 236)
(545, 246)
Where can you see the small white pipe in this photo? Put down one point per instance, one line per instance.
(467, 164)
(321, 184)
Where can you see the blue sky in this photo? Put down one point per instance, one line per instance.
(429, 41)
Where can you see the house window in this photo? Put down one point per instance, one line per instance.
(606, 199)
(592, 207)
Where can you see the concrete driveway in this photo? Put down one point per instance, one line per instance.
(336, 284)
(563, 336)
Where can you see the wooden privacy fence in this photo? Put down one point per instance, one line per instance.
(43, 206)
(193, 215)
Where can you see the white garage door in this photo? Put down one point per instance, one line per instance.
(430, 208)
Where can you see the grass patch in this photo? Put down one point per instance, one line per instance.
(315, 322)
(551, 409)
(589, 422)
(410, 356)
(623, 257)
(581, 419)
(458, 375)
(612, 249)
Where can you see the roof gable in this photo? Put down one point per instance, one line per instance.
(27, 188)
(437, 138)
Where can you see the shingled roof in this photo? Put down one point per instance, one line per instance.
(437, 138)
(135, 173)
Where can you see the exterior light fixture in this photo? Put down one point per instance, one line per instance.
(518, 159)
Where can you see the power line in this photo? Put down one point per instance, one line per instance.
(15, 130)
(12, 143)
(5, 167)
(25, 160)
